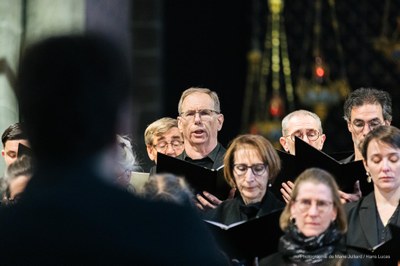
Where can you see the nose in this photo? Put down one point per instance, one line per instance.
(313, 210)
(305, 138)
(385, 165)
(249, 175)
(366, 129)
(169, 149)
(197, 117)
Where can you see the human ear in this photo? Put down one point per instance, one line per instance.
(150, 152)
(283, 142)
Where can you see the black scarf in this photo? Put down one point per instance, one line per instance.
(296, 247)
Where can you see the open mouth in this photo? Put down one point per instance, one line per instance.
(198, 132)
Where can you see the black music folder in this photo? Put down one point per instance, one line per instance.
(24, 150)
(346, 174)
(385, 253)
(199, 178)
(257, 237)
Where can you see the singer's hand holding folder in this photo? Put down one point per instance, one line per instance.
(345, 174)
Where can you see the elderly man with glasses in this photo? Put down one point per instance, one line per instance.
(200, 119)
(364, 110)
(305, 125)
(302, 124)
(163, 136)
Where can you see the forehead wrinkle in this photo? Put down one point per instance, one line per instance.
(173, 133)
(160, 138)
(367, 112)
(361, 120)
(245, 154)
(197, 101)
(300, 123)
(315, 189)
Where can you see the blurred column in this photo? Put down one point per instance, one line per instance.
(113, 19)
(22, 23)
(147, 49)
(10, 40)
(52, 17)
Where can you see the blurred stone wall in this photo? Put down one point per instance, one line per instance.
(10, 41)
(22, 23)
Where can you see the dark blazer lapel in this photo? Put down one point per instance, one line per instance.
(397, 221)
(368, 216)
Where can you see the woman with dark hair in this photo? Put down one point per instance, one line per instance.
(369, 218)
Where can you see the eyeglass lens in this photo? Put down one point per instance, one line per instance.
(305, 204)
(311, 134)
(257, 169)
(359, 125)
(203, 113)
(164, 145)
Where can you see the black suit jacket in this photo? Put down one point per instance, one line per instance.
(75, 217)
(362, 225)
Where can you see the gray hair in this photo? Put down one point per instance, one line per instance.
(286, 119)
(212, 94)
(126, 157)
(364, 96)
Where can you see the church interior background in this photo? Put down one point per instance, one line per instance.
(264, 58)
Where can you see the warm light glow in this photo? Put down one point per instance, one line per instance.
(320, 72)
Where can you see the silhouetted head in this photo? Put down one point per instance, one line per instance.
(71, 91)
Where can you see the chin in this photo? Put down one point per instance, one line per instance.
(387, 188)
(312, 232)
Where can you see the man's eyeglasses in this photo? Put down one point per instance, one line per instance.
(257, 169)
(311, 134)
(163, 145)
(305, 204)
(358, 125)
(203, 113)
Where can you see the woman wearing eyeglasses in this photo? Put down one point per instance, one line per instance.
(313, 222)
(249, 163)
